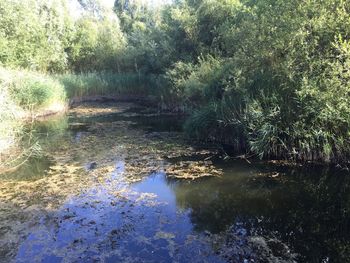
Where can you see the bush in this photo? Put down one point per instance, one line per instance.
(272, 75)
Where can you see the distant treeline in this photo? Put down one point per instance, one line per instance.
(51, 36)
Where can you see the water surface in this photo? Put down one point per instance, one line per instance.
(100, 193)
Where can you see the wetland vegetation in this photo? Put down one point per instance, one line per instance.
(174, 131)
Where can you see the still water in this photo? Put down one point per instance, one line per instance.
(100, 192)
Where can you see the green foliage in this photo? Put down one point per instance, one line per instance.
(31, 91)
(280, 64)
(219, 122)
(24, 93)
(203, 124)
(9, 127)
(104, 83)
(96, 45)
(47, 37)
(34, 34)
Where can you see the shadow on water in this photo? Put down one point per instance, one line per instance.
(34, 168)
(303, 210)
(252, 213)
(159, 123)
(44, 136)
(308, 210)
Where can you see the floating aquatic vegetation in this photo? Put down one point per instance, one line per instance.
(192, 170)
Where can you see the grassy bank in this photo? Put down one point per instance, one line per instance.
(26, 95)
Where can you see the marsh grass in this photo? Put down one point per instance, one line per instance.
(23, 95)
(28, 90)
(9, 125)
(104, 83)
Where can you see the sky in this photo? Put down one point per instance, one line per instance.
(110, 3)
(76, 10)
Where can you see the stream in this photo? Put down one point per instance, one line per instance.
(120, 183)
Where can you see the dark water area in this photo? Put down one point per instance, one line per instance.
(254, 212)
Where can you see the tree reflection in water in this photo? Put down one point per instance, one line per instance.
(306, 209)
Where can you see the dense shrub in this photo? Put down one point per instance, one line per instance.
(284, 68)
